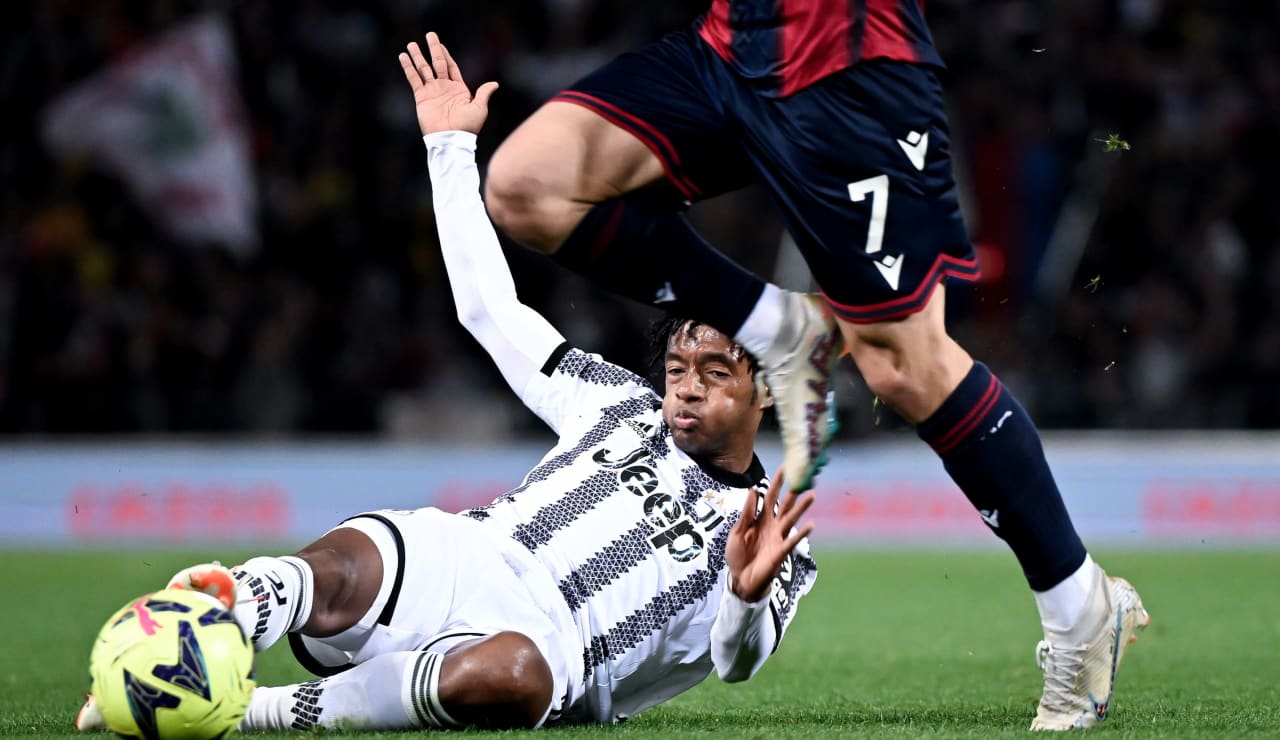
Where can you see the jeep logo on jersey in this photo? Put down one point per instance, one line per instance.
(638, 479)
(662, 511)
(602, 458)
(676, 530)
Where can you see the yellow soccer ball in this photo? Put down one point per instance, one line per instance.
(172, 665)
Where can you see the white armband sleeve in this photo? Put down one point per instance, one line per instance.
(518, 338)
(743, 636)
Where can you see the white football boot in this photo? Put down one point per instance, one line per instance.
(1080, 665)
(797, 369)
(89, 718)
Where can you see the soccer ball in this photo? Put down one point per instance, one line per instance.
(172, 664)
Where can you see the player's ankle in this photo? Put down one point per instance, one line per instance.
(763, 325)
(275, 597)
(1064, 607)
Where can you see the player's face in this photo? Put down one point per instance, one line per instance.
(710, 404)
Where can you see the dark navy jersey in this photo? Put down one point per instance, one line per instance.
(788, 45)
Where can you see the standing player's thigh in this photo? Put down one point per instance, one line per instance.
(666, 97)
(860, 166)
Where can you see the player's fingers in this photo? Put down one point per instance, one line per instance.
(455, 73)
(410, 74)
(799, 505)
(420, 62)
(800, 534)
(749, 508)
(484, 93)
(779, 480)
(786, 500)
(776, 486)
(435, 50)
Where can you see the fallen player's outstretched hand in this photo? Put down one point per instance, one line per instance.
(762, 538)
(443, 100)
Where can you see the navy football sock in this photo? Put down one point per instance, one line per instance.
(992, 450)
(647, 251)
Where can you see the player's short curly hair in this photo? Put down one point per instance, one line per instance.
(660, 333)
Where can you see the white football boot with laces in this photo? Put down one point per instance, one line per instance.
(1080, 664)
(797, 369)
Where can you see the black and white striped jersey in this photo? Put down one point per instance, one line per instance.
(634, 531)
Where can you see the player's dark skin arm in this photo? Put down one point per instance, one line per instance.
(497, 682)
(501, 681)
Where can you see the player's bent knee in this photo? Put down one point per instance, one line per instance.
(517, 207)
(502, 681)
(347, 570)
(886, 380)
(885, 369)
(911, 372)
(527, 200)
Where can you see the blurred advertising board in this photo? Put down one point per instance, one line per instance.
(1168, 490)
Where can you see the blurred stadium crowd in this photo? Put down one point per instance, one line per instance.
(1134, 288)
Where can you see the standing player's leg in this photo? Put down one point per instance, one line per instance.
(574, 181)
(879, 223)
(567, 182)
(991, 448)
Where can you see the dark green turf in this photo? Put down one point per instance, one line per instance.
(888, 645)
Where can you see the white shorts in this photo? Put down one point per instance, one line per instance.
(455, 581)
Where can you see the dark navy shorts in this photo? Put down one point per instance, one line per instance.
(857, 163)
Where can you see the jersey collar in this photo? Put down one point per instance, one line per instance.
(753, 475)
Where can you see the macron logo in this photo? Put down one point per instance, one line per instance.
(665, 294)
(915, 146)
(890, 269)
(990, 517)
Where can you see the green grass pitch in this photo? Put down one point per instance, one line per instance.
(888, 645)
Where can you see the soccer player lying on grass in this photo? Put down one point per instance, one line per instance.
(640, 554)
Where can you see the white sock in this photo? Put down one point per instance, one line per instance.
(273, 597)
(761, 328)
(1061, 606)
(395, 691)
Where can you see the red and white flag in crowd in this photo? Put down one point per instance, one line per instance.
(168, 121)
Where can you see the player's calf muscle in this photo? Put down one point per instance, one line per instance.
(501, 681)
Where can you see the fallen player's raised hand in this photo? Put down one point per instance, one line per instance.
(443, 100)
(762, 538)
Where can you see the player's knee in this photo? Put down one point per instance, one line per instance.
(914, 376)
(886, 379)
(883, 366)
(347, 574)
(522, 680)
(517, 201)
(501, 682)
(528, 677)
